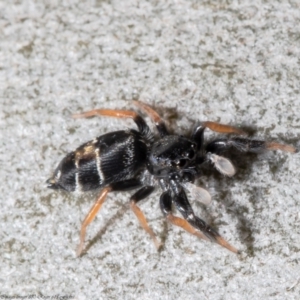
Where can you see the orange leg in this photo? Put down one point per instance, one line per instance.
(247, 145)
(107, 112)
(186, 226)
(282, 147)
(221, 128)
(143, 221)
(217, 127)
(143, 127)
(154, 116)
(150, 112)
(189, 228)
(225, 244)
(90, 217)
(194, 225)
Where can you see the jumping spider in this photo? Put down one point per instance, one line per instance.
(130, 159)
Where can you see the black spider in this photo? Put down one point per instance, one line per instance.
(130, 159)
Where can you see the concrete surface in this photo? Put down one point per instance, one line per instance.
(226, 61)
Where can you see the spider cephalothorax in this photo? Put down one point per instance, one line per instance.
(130, 159)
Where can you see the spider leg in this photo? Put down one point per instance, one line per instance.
(224, 166)
(159, 123)
(90, 217)
(217, 127)
(117, 186)
(198, 132)
(246, 145)
(221, 128)
(166, 208)
(138, 196)
(140, 122)
(184, 207)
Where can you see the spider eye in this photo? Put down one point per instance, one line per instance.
(179, 163)
(182, 162)
(191, 154)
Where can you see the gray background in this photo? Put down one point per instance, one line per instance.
(225, 61)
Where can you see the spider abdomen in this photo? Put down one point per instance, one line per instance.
(112, 157)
